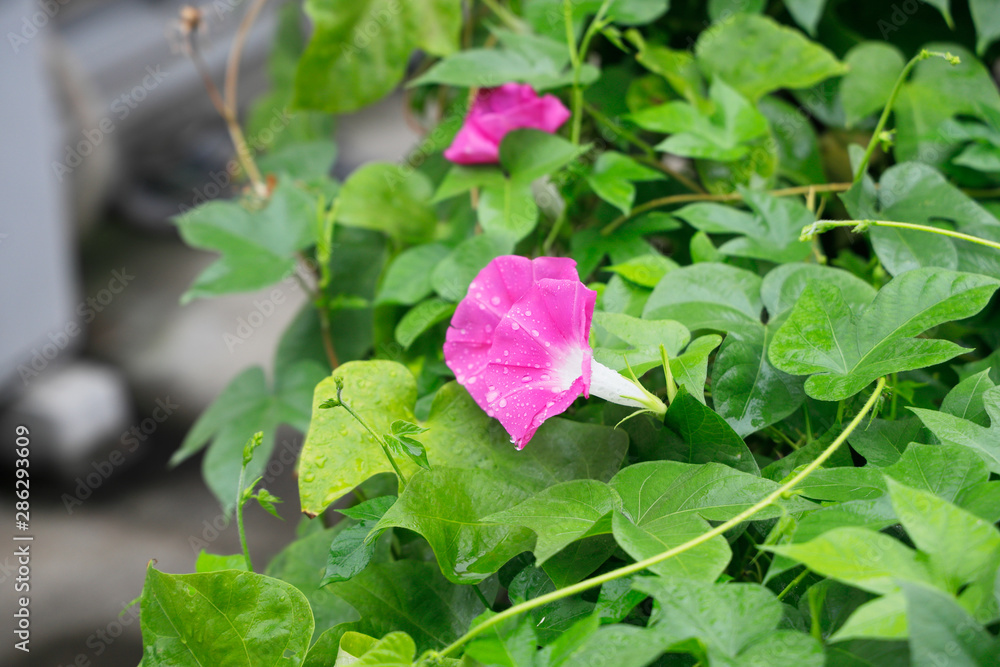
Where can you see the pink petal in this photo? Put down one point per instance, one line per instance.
(497, 111)
(497, 287)
(540, 359)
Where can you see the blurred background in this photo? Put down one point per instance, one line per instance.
(107, 133)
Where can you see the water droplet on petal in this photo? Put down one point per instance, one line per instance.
(527, 313)
(534, 332)
(506, 353)
(526, 378)
(515, 326)
(545, 376)
(548, 344)
(503, 403)
(495, 301)
(472, 380)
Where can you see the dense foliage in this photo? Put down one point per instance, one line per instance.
(787, 211)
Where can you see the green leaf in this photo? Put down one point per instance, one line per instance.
(408, 279)
(623, 337)
(806, 13)
(734, 624)
(455, 272)
(302, 161)
(882, 618)
(248, 405)
(707, 296)
(301, 564)
(690, 370)
(873, 70)
(620, 645)
(227, 617)
(257, 246)
(509, 211)
(756, 55)
(844, 348)
(783, 286)
(528, 154)
(722, 135)
(916, 193)
(353, 548)
(390, 199)
(706, 436)
(508, 644)
(396, 649)
(666, 503)
(747, 391)
(799, 158)
(267, 501)
(864, 558)
(952, 430)
(359, 50)
(986, 16)
(961, 545)
(562, 514)
(882, 441)
(207, 562)
(612, 178)
(533, 59)
(936, 92)
(940, 627)
(412, 597)
(459, 435)
(421, 318)
(448, 507)
(645, 270)
(965, 400)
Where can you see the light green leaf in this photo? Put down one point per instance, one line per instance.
(408, 278)
(961, 545)
(620, 645)
(783, 286)
(707, 296)
(508, 644)
(412, 597)
(844, 348)
(952, 430)
(882, 618)
(965, 400)
(207, 562)
(359, 49)
(529, 154)
(302, 564)
(722, 135)
(396, 649)
(747, 391)
(353, 548)
(623, 337)
(509, 211)
(385, 197)
(644, 270)
(339, 454)
(873, 70)
(257, 246)
(806, 13)
(864, 558)
(799, 158)
(447, 506)
(612, 177)
(422, 317)
(227, 617)
(690, 370)
(563, 514)
(734, 624)
(666, 503)
(986, 16)
(939, 627)
(756, 55)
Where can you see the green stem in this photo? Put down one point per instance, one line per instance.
(634, 568)
(554, 232)
(482, 598)
(795, 582)
(731, 196)
(239, 518)
(378, 439)
(887, 110)
(821, 226)
(505, 15)
(574, 59)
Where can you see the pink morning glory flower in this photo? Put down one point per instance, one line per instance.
(519, 343)
(497, 111)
